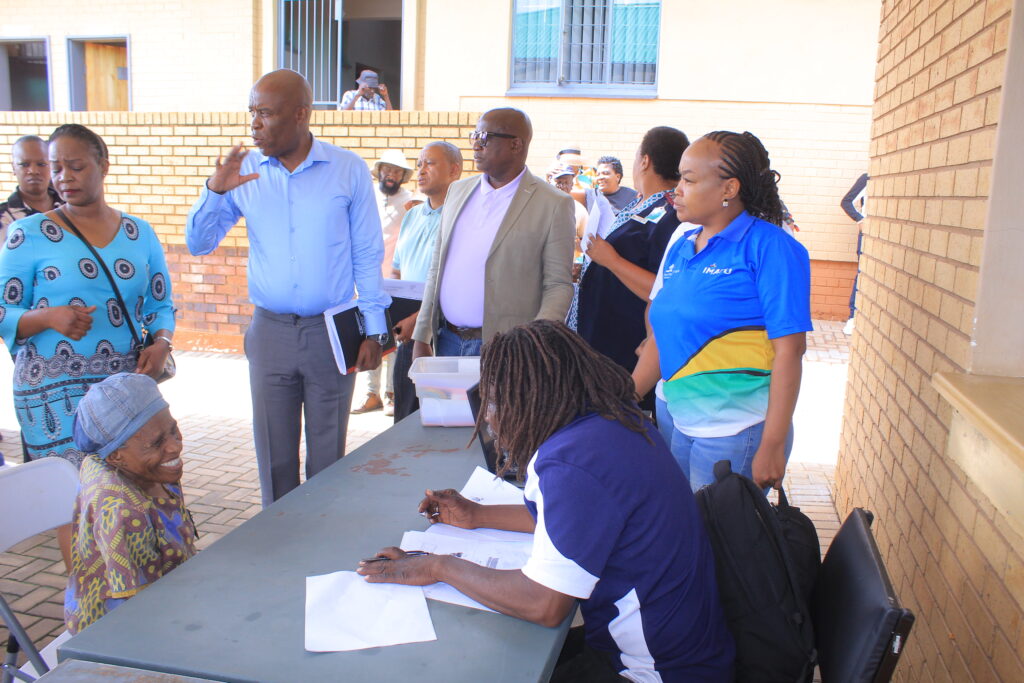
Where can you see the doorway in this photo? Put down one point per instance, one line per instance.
(99, 74)
(24, 76)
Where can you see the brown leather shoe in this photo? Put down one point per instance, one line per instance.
(372, 403)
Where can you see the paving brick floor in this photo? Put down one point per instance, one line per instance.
(210, 399)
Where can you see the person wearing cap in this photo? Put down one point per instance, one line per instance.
(562, 177)
(371, 95)
(390, 172)
(130, 525)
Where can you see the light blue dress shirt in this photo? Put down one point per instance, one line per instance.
(415, 250)
(314, 233)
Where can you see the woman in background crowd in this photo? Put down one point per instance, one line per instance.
(608, 309)
(729, 315)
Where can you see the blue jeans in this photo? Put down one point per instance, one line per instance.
(697, 456)
(451, 344)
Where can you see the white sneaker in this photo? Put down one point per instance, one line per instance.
(848, 327)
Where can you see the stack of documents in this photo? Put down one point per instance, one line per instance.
(344, 612)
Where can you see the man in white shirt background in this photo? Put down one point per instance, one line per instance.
(391, 172)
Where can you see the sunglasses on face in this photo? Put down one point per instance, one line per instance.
(483, 136)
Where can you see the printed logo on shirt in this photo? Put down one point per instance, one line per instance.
(670, 271)
(713, 269)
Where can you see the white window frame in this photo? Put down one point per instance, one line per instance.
(560, 88)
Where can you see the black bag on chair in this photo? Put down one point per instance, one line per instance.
(766, 561)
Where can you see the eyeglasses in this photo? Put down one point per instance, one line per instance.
(483, 136)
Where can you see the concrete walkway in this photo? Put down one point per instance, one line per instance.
(210, 399)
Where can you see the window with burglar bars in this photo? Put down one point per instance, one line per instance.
(585, 45)
(309, 42)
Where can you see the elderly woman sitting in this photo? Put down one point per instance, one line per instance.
(130, 525)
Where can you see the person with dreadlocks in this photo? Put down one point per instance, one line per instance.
(614, 522)
(729, 313)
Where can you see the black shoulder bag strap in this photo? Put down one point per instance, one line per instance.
(136, 340)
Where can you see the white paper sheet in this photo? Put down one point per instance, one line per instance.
(599, 222)
(344, 612)
(407, 289)
(487, 489)
(481, 535)
(496, 555)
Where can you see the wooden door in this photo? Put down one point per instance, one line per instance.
(106, 77)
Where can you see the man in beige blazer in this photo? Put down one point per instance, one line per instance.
(504, 253)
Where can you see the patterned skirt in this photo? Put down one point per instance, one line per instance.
(47, 391)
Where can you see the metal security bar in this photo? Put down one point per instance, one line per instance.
(309, 41)
(574, 43)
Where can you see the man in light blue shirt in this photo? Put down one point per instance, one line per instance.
(439, 165)
(314, 240)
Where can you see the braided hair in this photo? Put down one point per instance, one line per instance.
(540, 377)
(745, 159)
(84, 135)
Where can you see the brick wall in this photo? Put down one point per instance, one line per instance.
(831, 283)
(952, 559)
(159, 163)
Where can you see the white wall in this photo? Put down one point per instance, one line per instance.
(800, 51)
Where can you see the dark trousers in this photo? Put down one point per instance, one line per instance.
(406, 402)
(580, 663)
(292, 375)
(856, 277)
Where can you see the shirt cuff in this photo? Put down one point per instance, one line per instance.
(375, 322)
(210, 199)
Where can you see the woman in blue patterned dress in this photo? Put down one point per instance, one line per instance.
(59, 314)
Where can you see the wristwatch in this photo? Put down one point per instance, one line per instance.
(381, 339)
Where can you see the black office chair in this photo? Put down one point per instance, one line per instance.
(859, 625)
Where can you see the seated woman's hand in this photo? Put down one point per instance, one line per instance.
(71, 321)
(600, 252)
(393, 565)
(448, 506)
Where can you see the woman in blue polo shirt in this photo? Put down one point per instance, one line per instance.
(730, 310)
(615, 524)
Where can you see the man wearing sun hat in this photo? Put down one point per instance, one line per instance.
(372, 95)
(391, 171)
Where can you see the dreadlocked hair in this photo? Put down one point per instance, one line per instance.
(541, 376)
(745, 159)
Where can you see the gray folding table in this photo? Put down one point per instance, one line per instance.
(235, 612)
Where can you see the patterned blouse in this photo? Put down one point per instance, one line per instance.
(122, 541)
(42, 265)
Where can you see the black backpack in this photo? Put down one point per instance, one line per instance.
(766, 561)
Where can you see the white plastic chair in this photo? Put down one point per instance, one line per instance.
(34, 497)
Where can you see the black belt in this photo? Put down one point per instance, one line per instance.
(465, 332)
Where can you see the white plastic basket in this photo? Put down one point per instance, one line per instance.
(441, 386)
